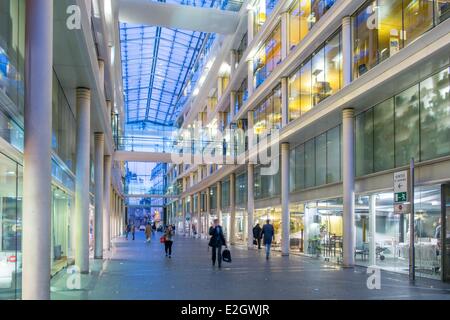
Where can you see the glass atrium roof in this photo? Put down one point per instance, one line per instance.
(157, 63)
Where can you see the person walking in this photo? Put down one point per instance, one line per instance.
(268, 234)
(216, 242)
(148, 232)
(128, 230)
(133, 231)
(257, 231)
(168, 241)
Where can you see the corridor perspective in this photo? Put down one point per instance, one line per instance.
(317, 130)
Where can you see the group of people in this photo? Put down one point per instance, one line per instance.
(264, 235)
(267, 234)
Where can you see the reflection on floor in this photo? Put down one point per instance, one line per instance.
(140, 271)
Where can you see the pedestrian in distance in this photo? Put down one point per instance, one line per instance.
(127, 230)
(133, 231)
(268, 234)
(257, 232)
(148, 233)
(168, 241)
(216, 242)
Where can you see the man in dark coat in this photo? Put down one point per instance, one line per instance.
(216, 242)
(257, 234)
(268, 233)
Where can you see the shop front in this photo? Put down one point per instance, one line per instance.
(241, 226)
(382, 236)
(324, 229)
(11, 178)
(274, 215)
(297, 228)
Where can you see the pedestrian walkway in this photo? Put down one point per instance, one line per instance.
(140, 271)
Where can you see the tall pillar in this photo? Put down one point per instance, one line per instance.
(99, 190)
(348, 187)
(250, 25)
(250, 204)
(250, 78)
(208, 211)
(232, 104)
(284, 102)
(199, 216)
(284, 34)
(233, 62)
(101, 69)
(232, 209)
(109, 111)
(219, 201)
(37, 154)
(191, 215)
(82, 196)
(183, 210)
(347, 63)
(107, 203)
(285, 215)
(219, 88)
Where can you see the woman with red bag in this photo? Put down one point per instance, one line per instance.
(168, 241)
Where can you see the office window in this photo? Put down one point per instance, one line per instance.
(407, 126)
(383, 142)
(334, 155)
(300, 167)
(319, 86)
(435, 116)
(310, 161)
(294, 25)
(364, 143)
(321, 159)
(333, 65)
(418, 18)
(305, 89)
(294, 95)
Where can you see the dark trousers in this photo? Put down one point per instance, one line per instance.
(133, 236)
(217, 253)
(168, 247)
(259, 243)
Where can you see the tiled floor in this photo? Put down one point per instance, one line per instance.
(140, 271)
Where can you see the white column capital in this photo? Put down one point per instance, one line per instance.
(83, 94)
(348, 113)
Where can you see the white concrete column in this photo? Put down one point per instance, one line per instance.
(250, 78)
(109, 111)
(372, 230)
(284, 34)
(285, 214)
(219, 201)
(348, 187)
(251, 138)
(107, 202)
(183, 210)
(191, 215)
(250, 204)
(232, 209)
(37, 179)
(208, 211)
(233, 62)
(219, 88)
(232, 104)
(191, 178)
(82, 198)
(101, 69)
(347, 63)
(99, 192)
(250, 25)
(284, 102)
(199, 216)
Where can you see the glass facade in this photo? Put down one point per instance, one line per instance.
(268, 57)
(303, 15)
(262, 11)
(316, 79)
(267, 115)
(414, 123)
(11, 179)
(267, 186)
(317, 161)
(383, 27)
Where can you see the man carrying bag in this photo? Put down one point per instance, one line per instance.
(216, 242)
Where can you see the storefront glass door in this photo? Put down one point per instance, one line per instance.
(444, 233)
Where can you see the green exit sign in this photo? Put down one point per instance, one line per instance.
(400, 197)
